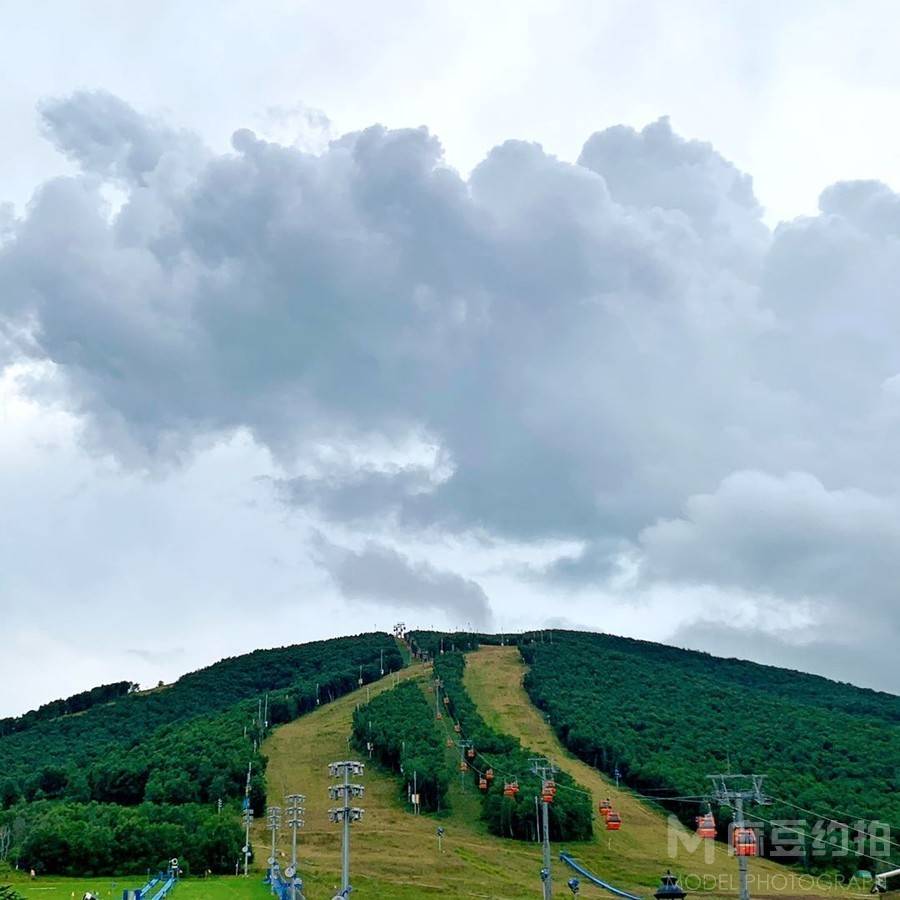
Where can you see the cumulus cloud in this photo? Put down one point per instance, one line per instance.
(823, 563)
(616, 351)
(382, 575)
(788, 536)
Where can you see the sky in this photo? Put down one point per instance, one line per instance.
(317, 318)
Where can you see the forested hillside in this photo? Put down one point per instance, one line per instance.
(666, 718)
(400, 727)
(187, 745)
(112, 752)
(77, 703)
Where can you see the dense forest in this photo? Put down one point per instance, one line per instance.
(77, 703)
(399, 724)
(666, 718)
(570, 813)
(170, 748)
(100, 839)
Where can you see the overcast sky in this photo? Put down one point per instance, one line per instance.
(317, 317)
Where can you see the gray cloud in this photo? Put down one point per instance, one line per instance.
(592, 348)
(357, 496)
(824, 565)
(840, 659)
(380, 574)
(789, 537)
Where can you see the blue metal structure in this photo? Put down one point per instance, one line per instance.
(166, 889)
(585, 873)
(157, 888)
(281, 885)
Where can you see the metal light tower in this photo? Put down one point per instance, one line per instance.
(545, 769)
(274, 823)
(344, 792)
(295, 820)
(734, 791)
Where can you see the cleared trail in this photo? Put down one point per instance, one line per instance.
(635, 857)
(394, 854)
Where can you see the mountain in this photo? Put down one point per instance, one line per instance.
(131, 778)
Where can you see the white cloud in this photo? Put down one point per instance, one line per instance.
(543, 354)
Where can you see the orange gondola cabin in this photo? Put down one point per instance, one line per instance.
(511, 788)
(744, 841)
(605, 808)
(706, 826)
(613, 821)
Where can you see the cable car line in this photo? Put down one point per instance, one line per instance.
(847, 825)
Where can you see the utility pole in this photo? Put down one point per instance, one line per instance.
(248, 819)
(734, 791)
(542, 767)
(345, 813)
(382, 663)
(438, 684)
(274, 823)
(295, 820)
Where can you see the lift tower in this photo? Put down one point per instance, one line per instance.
(343, 792)
(733, 791)
(545, 770)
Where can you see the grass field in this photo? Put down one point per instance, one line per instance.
(395, 855)
(51, 888)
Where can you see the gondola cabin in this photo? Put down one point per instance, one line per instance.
(744, 841)
(613, 821)
(706, 826)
